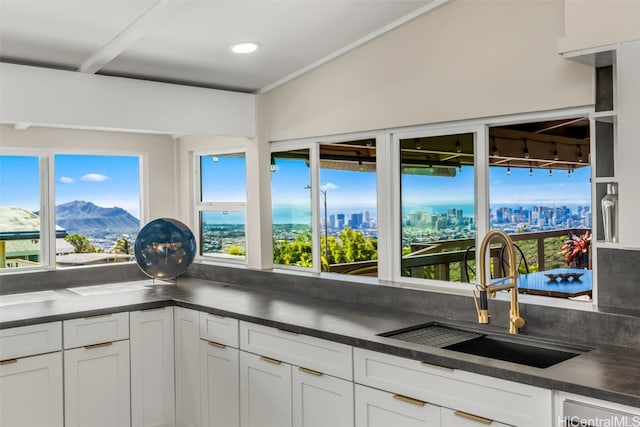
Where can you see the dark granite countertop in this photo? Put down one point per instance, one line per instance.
(606, 372)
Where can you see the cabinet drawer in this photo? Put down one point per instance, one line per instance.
(30, 340)
(96, 329)
(496, 399)
(380, 408)
(301, 350)
(223, 330)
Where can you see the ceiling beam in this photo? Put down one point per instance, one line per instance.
(123, 40)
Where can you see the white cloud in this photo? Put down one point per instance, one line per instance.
(329, 186)
(66, 180)
(94, 177)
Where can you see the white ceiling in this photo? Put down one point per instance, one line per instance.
(187, 41)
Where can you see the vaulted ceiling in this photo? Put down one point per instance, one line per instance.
(188, 41)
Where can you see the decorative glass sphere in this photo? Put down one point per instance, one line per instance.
(164, 248)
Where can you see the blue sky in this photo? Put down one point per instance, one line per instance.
(107, 181)
(216, 172)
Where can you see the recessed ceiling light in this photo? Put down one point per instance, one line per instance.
(245, 47)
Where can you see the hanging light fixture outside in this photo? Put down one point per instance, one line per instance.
(274, 166)
(525, 150)
(530, 169)
(494, 147)
(555, 152)
(550, 172)
(508, 169)
(458, 147)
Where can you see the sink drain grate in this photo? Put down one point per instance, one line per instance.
(435, 336)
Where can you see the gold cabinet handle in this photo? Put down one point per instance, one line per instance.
(431, 365)
(102, 344)
(8, 361)
(270, 360)
(482, 420)
(216, 344)
(409, 399)
(288, 332)
(310, 371)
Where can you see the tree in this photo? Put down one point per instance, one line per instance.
(349, 246)
(236, 250)
(121, 246)
(81, 244)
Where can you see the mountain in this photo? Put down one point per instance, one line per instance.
(91, 220)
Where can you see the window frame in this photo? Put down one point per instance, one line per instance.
(46, 162)
(211, 206)
(313, 145)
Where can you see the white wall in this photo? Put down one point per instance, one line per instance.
(158, 151)
(70, 99)
(595, 23)
(465, 59)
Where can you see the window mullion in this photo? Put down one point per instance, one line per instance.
(48, 212)
(316, 252)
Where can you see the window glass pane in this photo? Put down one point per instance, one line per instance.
(291, 208)
(349, 234)
(19, 212)
(98, 205)
(223, 178)
(437, 205)
(223, 234)
(540, 194)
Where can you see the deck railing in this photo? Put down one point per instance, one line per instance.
(436, 260)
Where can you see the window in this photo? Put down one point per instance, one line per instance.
(291, 208)
(221, 208)
(20, 223)
(437, 187)
(97, 203)
(324, 207)
(349, 237)
(540, 190)
(95, 212)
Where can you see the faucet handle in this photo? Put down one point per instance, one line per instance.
(517, 321)
(481, 308)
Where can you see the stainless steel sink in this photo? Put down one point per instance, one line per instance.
(510, 348)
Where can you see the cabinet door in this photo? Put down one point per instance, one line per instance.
(220, 385)
(96, 385)
(451, 418)
(187, 352)
(320, 400)
(31, 391)
(152, 377)
(265, 392)
(375, 408)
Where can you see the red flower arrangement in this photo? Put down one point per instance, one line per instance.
(576, 249)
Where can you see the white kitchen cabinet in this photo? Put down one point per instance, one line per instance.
(321, 400)
(377, 408)
(152, 368)
(96, 383)
(476, 395)
(265, 392)
(31, 391)
(187, 367)
(220, 385)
